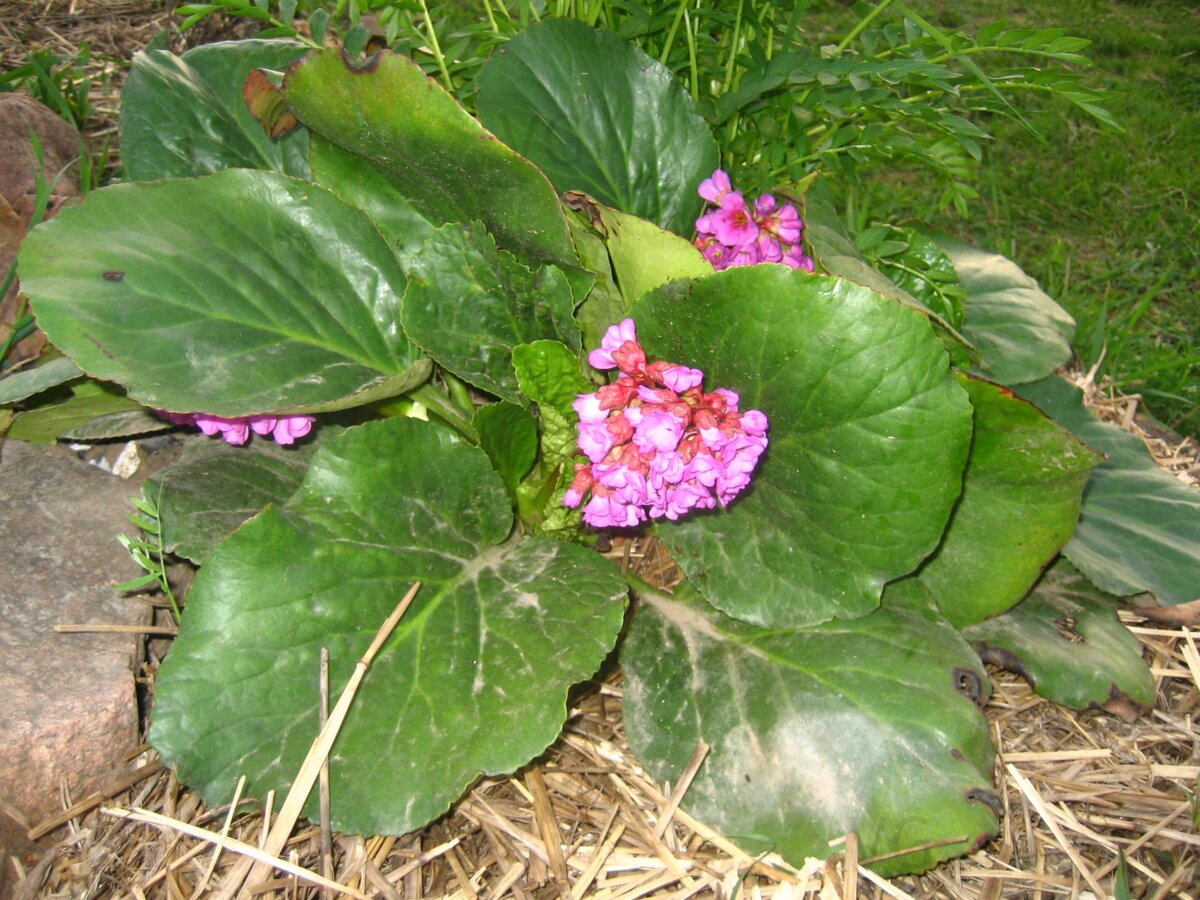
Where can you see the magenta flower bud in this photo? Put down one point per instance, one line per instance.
(289, 429)
(703, 469)
(608, 512)
(754, 422)
(651, 395)
(595, 440)
(768, 249)
(658, 431)
(795, 257)
(731, 398)
(666, 468)
(262, 424)
(764, 205)
(717, 254)
(681, 378)
(587, 406)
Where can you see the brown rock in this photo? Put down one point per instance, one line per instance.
(70, 711)
(61, 147)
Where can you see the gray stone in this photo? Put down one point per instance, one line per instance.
(69, 712)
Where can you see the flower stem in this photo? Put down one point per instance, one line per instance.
(446, 409)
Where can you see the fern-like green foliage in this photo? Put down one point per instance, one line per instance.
(896, 91)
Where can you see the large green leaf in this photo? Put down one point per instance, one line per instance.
(1140, 526)
(205, 496)
(473, 680)
(868, 438)
(186, 116)
(1021, 495)
(364, 185)
(645, 256)
(1021, 333)
(431, 150)
(854, 726)
(236, 293)
(597, 115)
(1066, 639)
(469, 304)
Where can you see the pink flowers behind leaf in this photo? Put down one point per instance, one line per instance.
(658, 446)
(732, 232)
(284, 429)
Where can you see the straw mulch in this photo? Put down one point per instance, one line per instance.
(1081, 792)
(1080, 789)
(586, 821)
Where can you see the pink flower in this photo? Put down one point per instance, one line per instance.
(733, 224)
(236, 431)
(797, 259)
(784, 224)
(595, 440)
(658, 431)
(733, 233)
(588, 407)
(289, 429)
(657, 445)
(715, 188)
(681, 378)
(614, 338)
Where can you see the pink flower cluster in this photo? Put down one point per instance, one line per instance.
(733, 232)
(284, 429)
(657, 444)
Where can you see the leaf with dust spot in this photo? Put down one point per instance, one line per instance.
(1066, 639)
(240, 295)
(473, 680)
(859, 726)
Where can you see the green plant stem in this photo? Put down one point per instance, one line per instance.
(693, 60)
(669, 42)
(21, 329)
(735, 42)
(862, 24)
(445, 409)
(435, 48)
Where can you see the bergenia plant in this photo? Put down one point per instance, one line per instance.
(511, 333)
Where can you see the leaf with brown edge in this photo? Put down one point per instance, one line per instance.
(265, 102)
(1066, 640)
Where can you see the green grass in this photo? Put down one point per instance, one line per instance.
(1109, 223)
